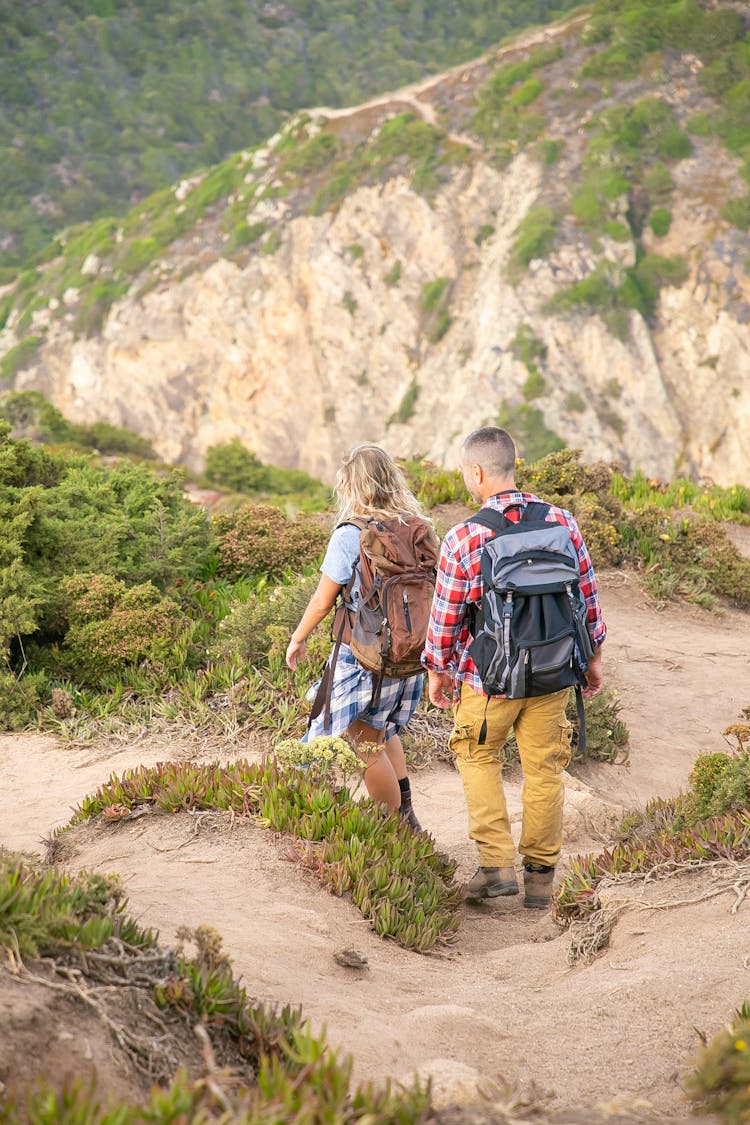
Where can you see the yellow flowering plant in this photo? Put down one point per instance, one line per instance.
(323, 756)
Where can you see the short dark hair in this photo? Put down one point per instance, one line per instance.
(493, 449)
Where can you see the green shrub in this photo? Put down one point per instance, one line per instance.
(244, 234)
(313, 155)
(737, 212)
(485, 231)
(33, 418)
(407, 405)
(259, 540)
(550, 151)
(526, 423)
(719, 783)
(112, 628)
(526, 93)
(434, 306)
(528, 348)
(138, 254)
(660, 221)
(534, 237)
(575, 402)
(21, 355)
(658, 181)
(393, 276)
(234, 466)
(535, 385)
(249, 631)
(109, 439)
(94, 305)
(625, 137)
(433, 293)
(592, 202)
(349, 302)
(19, 699)
(720, 1082)
(431, 485)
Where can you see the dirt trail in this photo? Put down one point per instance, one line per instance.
(503, 1003)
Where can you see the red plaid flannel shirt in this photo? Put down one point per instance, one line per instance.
(459, 583)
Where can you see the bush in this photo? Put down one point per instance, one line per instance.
(720, 1083)
(19, 356)
(19, 699)
(660, 221)
(528, 348)
(592, 202)
(534, 237)
(407, 405)
(737, 212)
(254, 626)
(259, 540)
(234, 466)
(526, 424)
(112, 628)
(719, 783)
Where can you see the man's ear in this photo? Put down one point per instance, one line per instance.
(477, 474)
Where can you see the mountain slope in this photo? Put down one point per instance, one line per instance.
(553, 237)
(102, 103)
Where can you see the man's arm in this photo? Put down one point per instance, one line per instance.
(446, 623)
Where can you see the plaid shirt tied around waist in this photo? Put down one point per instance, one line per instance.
(459, 584)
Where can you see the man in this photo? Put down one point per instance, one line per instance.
(543, 733)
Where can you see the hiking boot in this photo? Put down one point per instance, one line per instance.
(489, 882)
(537, 885)
(408, 816)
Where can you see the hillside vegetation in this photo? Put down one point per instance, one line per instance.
(104, 103)
(121, 602)
(612, 149)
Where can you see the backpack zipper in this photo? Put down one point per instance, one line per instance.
(407, 615)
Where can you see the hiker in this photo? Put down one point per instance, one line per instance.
(482, 720)
(370, 708)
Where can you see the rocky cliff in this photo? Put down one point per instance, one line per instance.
(416, 267)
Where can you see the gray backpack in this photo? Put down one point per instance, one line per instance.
(529, 629)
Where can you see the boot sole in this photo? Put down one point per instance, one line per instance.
(489, 892)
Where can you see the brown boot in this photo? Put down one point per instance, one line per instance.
(537, 884)
(408, 816)
(489, 882)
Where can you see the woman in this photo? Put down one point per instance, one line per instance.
(368, 485)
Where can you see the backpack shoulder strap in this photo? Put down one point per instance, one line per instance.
(536, 510)
(491, 518)
(354, 521)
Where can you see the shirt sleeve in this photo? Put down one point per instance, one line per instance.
(341, 554)
(588, 587)
(448, 613)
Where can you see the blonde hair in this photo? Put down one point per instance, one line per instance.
(370, 483)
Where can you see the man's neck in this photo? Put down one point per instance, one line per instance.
(497, 488)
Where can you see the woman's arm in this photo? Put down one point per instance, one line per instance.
(319, 606)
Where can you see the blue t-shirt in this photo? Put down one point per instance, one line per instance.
(342, 554)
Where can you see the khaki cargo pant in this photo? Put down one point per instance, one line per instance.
(543, 734)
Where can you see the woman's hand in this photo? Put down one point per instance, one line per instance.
(296, 651)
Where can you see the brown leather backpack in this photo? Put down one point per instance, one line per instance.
(387, 630)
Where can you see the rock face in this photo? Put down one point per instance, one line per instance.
(330, 339)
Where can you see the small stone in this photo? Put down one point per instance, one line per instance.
(350, 959)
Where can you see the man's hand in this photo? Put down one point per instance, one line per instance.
(594, 675)
(296, 651)
(440, 689)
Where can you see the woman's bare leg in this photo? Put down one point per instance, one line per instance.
(395, 750)
(380, 777)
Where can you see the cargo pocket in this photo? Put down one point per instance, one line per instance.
(565, 750)
(460, 740)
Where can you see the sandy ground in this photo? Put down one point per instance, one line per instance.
(503, 1004)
